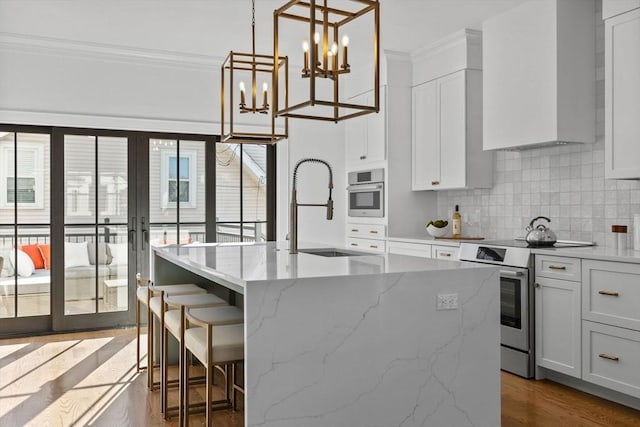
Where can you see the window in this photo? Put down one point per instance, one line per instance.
(29, 181)
(178, 181)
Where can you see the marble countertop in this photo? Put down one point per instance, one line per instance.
(235, 264)
(593, 252)
(427, 241)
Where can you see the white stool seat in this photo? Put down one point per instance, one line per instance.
(142, 294)
(219, 316)
(172, 320)
(227, 343)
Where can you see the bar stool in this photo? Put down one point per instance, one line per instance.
(213, 345)
(144, 291)
(172, 316)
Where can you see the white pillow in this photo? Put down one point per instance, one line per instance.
(76, 254)
(24, 266)
(120, 253)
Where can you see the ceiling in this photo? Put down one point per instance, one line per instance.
(213, 27)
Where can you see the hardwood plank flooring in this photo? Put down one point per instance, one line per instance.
(90, 379)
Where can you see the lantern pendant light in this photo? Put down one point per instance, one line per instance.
(323, 59)
(256, 68)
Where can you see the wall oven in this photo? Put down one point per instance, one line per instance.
(366, 193)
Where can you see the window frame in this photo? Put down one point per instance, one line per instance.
(7, 148)
(165, 157)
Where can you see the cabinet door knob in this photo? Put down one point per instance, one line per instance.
(558, 267)
(609, 357)
(435, 182)
(536, 285)
(609, 293)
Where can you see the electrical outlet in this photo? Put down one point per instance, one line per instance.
(447, 302)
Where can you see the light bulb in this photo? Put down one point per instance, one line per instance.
(305, 46)
(316, 37)
(265, 86)
(242, 88)
(345, 40)
(334, 48)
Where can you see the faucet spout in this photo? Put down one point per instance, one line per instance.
(293, 220)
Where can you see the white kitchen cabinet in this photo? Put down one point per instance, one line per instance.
(449, 253)
(538, 74)
(371, 245)
(422, 250)
(446, 138)
(558, 319)
(366, 135)
(622, 96)
(611, 8)
(611, 357)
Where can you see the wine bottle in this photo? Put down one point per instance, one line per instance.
(457, 223)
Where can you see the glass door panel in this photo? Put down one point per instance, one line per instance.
(96, 245)
(254, 193)
(228, 192)
(25, 282)
(177, 191)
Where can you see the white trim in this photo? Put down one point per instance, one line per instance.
(165, 155)
(38, 168)
(76, 48)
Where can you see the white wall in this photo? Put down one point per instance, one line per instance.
(91, 77)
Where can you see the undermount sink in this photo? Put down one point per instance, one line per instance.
(332, 252)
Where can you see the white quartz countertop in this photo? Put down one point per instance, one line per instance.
(235, 264)
(427, 241)
(593, 252)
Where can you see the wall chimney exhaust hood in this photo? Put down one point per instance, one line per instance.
(539, 75)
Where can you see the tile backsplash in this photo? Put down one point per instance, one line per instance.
(563, 182)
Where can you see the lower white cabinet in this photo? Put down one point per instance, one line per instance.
(611, 357)
(408, 248)
(449, 253)
(557, 318)
(371, 245)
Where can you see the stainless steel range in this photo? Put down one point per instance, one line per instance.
(517, 336)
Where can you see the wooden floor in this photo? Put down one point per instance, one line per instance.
(90, 379)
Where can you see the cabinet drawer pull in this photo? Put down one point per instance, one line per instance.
(609, 293)
(609, 357)
(355, 230)
(445, 254)
(558, 267)
(373, 246)
(363, 157)
(354, 244)
(373, 232)
(435, 182)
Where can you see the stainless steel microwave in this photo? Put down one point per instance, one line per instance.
(366, 193)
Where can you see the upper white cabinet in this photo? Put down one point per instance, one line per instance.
(612, 8)
(539, 74)
(366, 135)
(447, 140)
(447, 117)
(622, 96)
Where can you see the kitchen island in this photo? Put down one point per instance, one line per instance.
(355, 340)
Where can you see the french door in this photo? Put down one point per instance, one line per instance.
(96, 240)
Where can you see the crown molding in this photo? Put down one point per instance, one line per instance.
(83, 49)
(465, 35)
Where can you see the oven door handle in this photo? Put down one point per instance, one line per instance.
(360, 187)
(508, 273)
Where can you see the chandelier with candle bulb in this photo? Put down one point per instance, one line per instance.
(255, 67)
(323, 59)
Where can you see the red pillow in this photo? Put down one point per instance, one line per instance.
(34, 254)
(45, 251)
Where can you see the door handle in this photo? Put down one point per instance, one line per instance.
(145, 233)
(508, 273)
(132, 234)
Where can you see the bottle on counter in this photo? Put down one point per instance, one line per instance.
(620, 240)
(457, 224)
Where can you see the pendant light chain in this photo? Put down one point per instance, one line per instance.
(253, 27)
